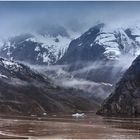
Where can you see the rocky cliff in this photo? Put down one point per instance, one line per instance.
(125, 100)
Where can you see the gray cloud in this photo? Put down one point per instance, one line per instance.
(19, 17)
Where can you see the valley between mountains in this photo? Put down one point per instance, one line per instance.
(56, 77)
(55, 70)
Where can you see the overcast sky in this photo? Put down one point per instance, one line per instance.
(17, 17)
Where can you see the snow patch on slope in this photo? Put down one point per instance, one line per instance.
(10, 65)
(3, 76)
(108, 41)
(55, 45)
(118, 42)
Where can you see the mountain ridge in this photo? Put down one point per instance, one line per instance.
(27, 92)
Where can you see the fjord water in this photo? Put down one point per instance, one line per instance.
(66, 126)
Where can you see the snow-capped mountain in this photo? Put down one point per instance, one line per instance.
(44, 46)
(86, 56)
(55, 44)
(101, 43)
(102, 54)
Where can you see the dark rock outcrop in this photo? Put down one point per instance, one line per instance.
(125, 100)
(81, 49)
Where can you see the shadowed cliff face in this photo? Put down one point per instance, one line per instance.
(125, 100)
(81, 48)
(26, 92)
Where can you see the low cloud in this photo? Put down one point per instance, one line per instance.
(60, 76)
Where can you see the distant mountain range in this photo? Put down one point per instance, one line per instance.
(44, 46)
(56, 44)
(100, 43)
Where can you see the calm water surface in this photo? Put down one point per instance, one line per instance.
(66, 126)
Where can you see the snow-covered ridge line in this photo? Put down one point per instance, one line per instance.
(119, 41)
(10, 65)
(48, 49)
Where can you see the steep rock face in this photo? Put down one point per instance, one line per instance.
(26, 92)
(125, 100)
(81, 48)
